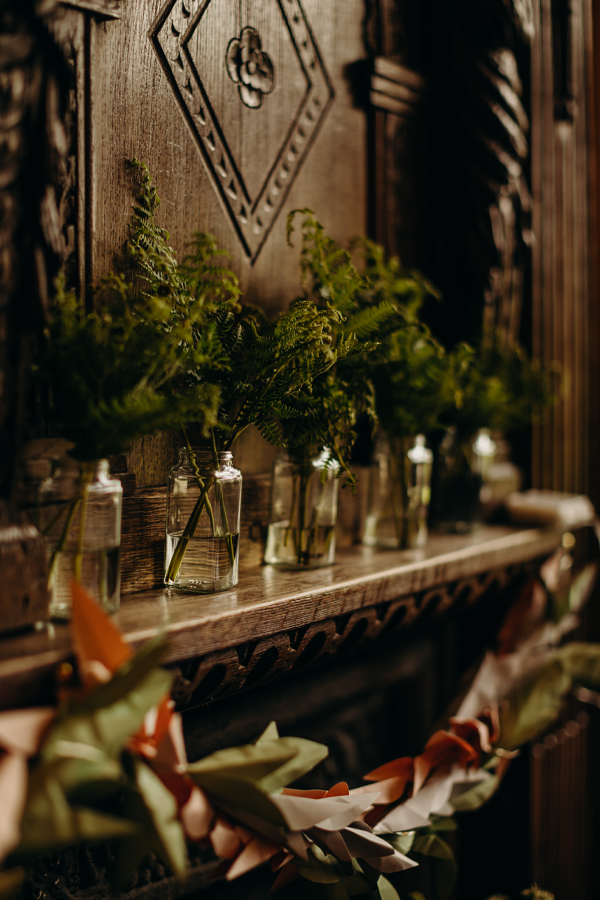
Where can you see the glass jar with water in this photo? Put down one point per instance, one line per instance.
(204, 498)
(399, 494)
(79, 514)
(303, 514)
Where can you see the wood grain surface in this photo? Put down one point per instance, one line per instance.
(134, 112)
(564, 312)
(269, 600)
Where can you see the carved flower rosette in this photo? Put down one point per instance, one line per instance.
(250, 68)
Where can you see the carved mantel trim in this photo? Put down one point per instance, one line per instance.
(278, 620)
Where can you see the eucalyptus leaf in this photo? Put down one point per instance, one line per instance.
(318, 867)
(442, 823)
(154, 809)
(252, 762)
(109, 728)
(402, 841)
(272, 762)
(162, 806)
(582, 662)
(240, 792)
(439, 859)
(475, 797)
(48, 819)
(533, 706)
(67, 826)
(127, 677)
(308, 755)
(582, 585)
(386, 890)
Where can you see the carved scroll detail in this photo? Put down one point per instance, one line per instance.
(224, 672)
(252, 216)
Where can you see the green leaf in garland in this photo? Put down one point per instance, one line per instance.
(113, 712)
(387, 891)
(318, 867)
(154, 809)
(359, 883)
(240, 792)
(162, 806)
(50, 821)
(246, 775)
(440, 861)
(479, 794)
(308, 755)
(128, 676)
(533, 706)
(252, 762)
(442, 823)
(582, 662)
(581, 587)
(402, 842)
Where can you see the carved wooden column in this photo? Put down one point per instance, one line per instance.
(565, 328)
(42, 216)
(396, 95)
(565, 321)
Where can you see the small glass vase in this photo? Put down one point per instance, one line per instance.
(399, 494)
(303, 513)
(79, 514)
(463, 468)
(204, 498)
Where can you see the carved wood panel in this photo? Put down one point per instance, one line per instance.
(151, 90)
(565, 319)
(220, 674)
(253, 114)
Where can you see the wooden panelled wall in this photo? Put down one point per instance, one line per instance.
(564, 296)
(565, 89)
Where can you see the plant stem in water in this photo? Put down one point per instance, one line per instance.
(188, 532)
(199, 480)
(62, 543)
(86, 477)
(219, 491)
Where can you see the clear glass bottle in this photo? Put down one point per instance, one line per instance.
(484, 453)
(457, 484)
(79, 514)
(204, 498)
(303, 513)
(399, 494)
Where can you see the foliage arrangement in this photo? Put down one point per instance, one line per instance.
(121, 373)
(116, 732)
(503, 389)
(176, 346)
(265, 374)
(375, 308)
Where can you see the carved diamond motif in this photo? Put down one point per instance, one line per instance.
(252, 153)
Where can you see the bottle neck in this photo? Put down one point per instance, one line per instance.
(91, 470)
(204, 458)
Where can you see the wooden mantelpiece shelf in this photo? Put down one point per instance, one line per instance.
(286, 610)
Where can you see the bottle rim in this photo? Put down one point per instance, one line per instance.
(205, 454)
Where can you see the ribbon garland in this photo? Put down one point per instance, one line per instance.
(118, 732)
